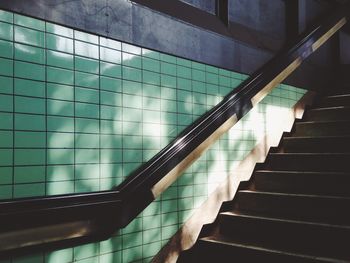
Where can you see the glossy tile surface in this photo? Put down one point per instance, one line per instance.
(80, 112)
(59, 43)
(29, 36)
(59, 59)
(29, 71)
(6, 31)
(6, 49)
(29, 53)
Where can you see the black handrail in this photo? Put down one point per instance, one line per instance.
(65, 220)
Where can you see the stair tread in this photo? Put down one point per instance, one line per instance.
(296, 194)
(301, 172)
(330, 108)
(310, 161)
(317, 137)
(322, 122)
(225, 241)
(294, 206)
(321, 127)
(304, 235)
(284, 220)
(337, 96)
(310, 153)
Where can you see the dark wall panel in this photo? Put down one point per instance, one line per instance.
(344, 48)
(309, 11)
(319, 71)
(344, 70)
(316, 73)
(205, 5)
(264, 16)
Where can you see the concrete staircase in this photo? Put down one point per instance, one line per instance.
(296, 207)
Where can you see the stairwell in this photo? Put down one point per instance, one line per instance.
(296, 206)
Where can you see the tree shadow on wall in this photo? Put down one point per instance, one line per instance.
(103, 149)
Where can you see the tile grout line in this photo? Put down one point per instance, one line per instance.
(177, 132)
(46, 111)
(142, 147)
(122, 142)
(99, 109)
(160, 199)
(13, 108)
(74, 121)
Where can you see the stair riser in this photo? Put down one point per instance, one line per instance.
(332, 145)
(339, 91)
(335, 102)
(323, 163)
(214, 252)
(327, 115)
(315, 239)
(322, 129)
(293, 207)
(320, 184)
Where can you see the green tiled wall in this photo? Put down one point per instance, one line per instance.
(79, 112)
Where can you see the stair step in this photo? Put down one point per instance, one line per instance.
(323, 183)
(335, 100)
(322, 128)
(294, 206)
(326, 114)
(323, 162)
(318, 144)
(297, 202)
(339, 91)
(303, 237)
(221, 249)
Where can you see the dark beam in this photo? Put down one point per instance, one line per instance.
(188, 13)
(221, 11)
(292, 21)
